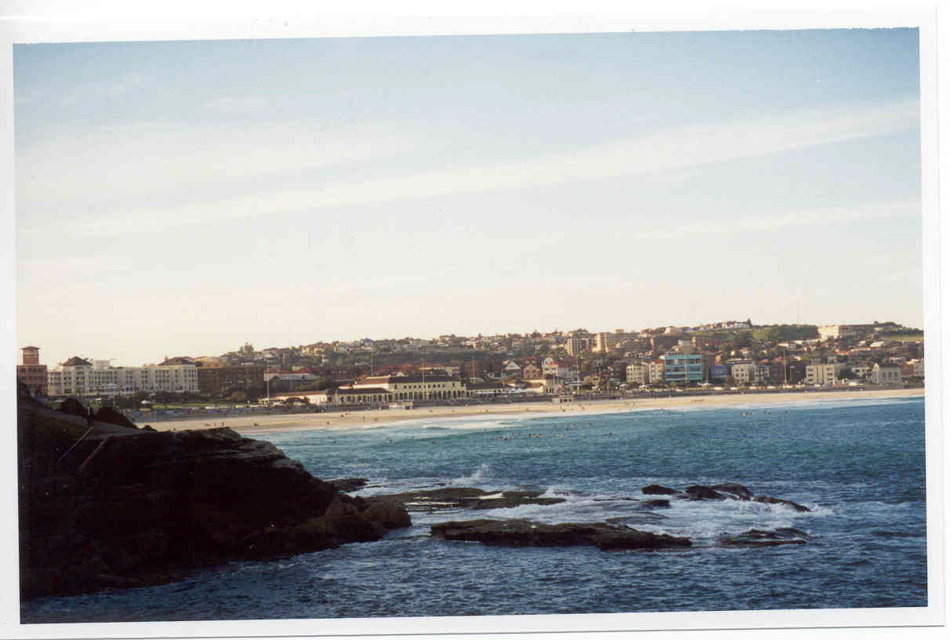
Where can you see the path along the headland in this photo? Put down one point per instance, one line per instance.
(250, 425)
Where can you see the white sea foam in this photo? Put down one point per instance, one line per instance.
(555, 492)
(479, 475)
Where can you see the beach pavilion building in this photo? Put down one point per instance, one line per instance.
(377, 391)
(409, 388)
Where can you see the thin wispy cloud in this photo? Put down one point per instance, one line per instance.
(161, 161)
(124, 175)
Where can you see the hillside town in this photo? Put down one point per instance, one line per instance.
(718, 357)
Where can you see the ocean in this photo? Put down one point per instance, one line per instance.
(859, 466)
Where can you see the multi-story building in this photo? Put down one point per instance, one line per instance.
(604, 342)
(72, 378)
(886, 374)
(743, 371)
(215, 381)
(861, 371)
(655, 371)
(720, 372)
(576, 345)
(824, 374)
(836, 331)
(403, 388)
(637, 373)
(80, 377)
(31, 373)
(175, 374)
(915, 369)
(277, 382)
(682, 367)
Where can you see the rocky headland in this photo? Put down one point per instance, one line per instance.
(105, 505)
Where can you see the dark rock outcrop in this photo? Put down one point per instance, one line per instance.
(659, 502)
(525, 533)
(468, 498)
(700, 492)
(73, 407)
(112, 416)
(734, 490)
(128, 508)
(658, 490)
(348, 485)
(760, 538)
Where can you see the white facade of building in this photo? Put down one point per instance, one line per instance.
(743, 372)
(886, 375)
(78, 377)
(824, 374)
(836, 331)
(862, 371)
(637, 374)
(415, 387)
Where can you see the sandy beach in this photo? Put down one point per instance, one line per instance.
(250, 425)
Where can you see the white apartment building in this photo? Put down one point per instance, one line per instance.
(824, 374)
(655, 371)
(637, 374)
(888, 374)
(80, 377)
(577, 345)
(743, 372)
(862, 371)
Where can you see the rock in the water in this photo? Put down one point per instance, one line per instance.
(525, 533)
(770, 500)
(760, 538)
(658, 490)
(468, 498)
(389, 513)
(700, 492)
(657, 503)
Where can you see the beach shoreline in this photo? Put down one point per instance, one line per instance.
(251, 425)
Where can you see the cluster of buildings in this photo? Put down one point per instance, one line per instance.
(84, 378)
(731, 354)
(685, 366)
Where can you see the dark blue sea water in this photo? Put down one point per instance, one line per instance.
(858, 465)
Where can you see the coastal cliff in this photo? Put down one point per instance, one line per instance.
(105, 506)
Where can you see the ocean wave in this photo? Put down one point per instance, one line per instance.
(479, 475)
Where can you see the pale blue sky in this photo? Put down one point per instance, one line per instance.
(289, 191)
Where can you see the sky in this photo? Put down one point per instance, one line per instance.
(183, 198)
